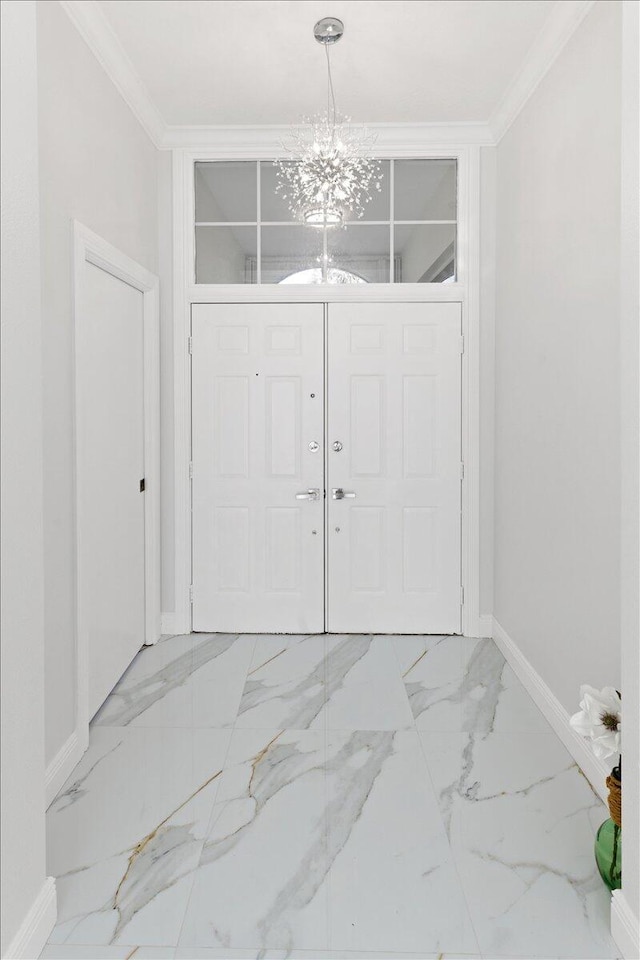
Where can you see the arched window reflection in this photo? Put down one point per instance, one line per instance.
(314, 275)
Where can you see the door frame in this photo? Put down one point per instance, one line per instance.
(88, 247)
(466, 291)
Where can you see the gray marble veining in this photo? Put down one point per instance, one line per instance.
(164, 856)
(130, 699)
(78, 788)
(351, 790)
(161, 858)
(291, 766)
(233, 802)
(475, 694)
(301, 702)
(520, 817)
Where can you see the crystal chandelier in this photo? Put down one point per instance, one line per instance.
(333, 175)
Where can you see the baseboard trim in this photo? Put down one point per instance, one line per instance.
(171, 624)
(625, 928)
(62, 765)
(34, 930)
(596, 771)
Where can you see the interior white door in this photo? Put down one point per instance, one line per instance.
(394, 443)
(110, 465)
(258, 468)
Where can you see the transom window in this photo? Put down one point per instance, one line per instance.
(245, 232)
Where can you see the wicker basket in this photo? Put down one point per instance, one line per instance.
(615, 799)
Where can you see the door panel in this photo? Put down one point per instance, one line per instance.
(257, 405)
(394, 403)
(110, 465)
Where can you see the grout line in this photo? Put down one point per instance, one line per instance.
(454, 859)
(209, 825)
(327, 733)
(327, 821)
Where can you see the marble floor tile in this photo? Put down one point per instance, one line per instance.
(211, 953)
(285, 685)
(270, 647)
(126, 832)
(365, 692)
(392, 881)
(66, 951)
(409, 649)
(325, 797)
(260, 881)
(521, 819)
(185, 681)
(215, 953)
(461, 684)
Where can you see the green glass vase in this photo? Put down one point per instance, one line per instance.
(609, 854)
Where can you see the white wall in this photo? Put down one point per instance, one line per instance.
(98, 166)
(630, 514)
(557, 363)
(487, 356)
(167, 462)
(22, 775)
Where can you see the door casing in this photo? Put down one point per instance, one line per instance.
(260, 144)
(93, 249)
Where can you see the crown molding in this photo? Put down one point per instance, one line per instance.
(563, 20)
(392, 139)
(258, 141)
(101, 39)
(240, 140)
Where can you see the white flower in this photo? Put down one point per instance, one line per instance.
(599, 718)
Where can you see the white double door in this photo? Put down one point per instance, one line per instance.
(326, 467)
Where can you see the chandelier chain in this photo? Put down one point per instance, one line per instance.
(331, 97)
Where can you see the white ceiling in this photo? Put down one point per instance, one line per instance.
(256, 62)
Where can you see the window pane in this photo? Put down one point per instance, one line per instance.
(379, 207)
(357, 254)
(289, 250)
(272, 205)
(361, 250)
(425, 253)
(425, 190)
(226, 254)
(314, 275)
(226, 192)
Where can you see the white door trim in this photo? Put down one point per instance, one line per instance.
(466, 292)
(469, 248)
(90, 248)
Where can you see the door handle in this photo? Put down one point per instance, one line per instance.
(338, 493)
(313, 494)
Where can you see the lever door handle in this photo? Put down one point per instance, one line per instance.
(313, 494)
(338, 493)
